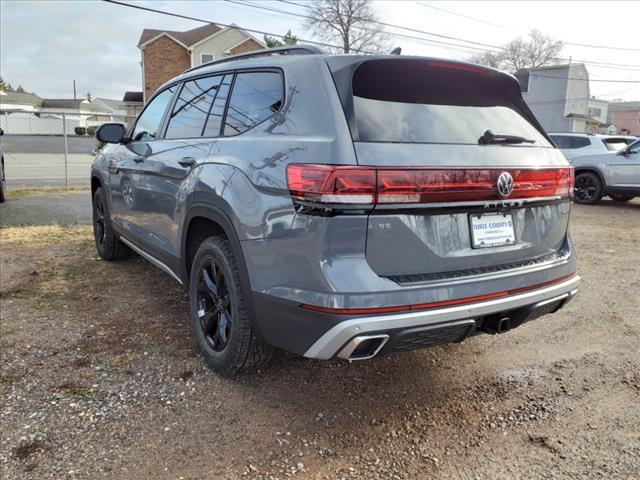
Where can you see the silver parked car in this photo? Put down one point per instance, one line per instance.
(616, 174)
(341, 206)
(575, 144)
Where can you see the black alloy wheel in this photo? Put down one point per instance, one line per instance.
(214, 305)
(99, 228)
(220, 311)
(588, 188)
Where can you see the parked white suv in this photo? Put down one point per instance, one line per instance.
(574, 144)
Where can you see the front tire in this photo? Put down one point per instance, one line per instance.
(588, 188)
(621, 198)
(3, 183)
(107, 243)
(219, 316)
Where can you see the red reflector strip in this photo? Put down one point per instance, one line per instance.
(459, 66)
(427, 306)
(370, 185)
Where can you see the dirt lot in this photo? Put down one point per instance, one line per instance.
(101, 379)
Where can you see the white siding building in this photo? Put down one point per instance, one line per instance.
(559, 96)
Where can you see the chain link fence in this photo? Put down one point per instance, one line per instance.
(50, 149)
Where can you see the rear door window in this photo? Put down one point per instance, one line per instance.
(256, 96)
(192, 107)
(214, 120)
(410, 102)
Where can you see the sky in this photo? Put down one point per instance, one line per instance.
(45, 45)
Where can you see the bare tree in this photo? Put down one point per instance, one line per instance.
(349, 23)
(534, 51)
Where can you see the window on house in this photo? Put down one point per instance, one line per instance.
(149, 121)
(594, 112)
(207, 57)
(255, 97)
(192, 107)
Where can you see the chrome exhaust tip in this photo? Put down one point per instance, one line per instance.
(363, 347)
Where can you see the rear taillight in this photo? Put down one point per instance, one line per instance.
(370, 185)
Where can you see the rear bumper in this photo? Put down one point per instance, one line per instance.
(405, 331)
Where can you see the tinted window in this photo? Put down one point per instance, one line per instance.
(149, 121)
(192, 107)
(561, 141)
(409, 101)
(214, 121)
(578, 142)
(255, 97)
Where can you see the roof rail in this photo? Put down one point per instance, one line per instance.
(288, 50)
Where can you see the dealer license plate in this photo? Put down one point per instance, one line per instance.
(492, 230)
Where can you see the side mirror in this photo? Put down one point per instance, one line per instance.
(624, 151)
(1, 131)
(111, 133)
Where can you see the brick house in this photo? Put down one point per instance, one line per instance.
(165, 53)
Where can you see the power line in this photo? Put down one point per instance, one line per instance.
(576, 44)
(261, 32)
(495, 47)
(463, 16)
(414, 30)
(468, 48)
(235, 27)
(586, 80)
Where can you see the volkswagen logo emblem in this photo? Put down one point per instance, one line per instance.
(505, 184)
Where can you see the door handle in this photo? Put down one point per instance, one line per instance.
(187, 161)
(138, 159)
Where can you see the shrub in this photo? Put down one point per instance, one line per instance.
(80, 130)
(91, 131)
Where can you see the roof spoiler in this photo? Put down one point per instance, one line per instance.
(288, 50)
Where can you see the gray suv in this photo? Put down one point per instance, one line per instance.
(616, 174)
(340, 205)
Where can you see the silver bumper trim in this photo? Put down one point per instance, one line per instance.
(334, 339)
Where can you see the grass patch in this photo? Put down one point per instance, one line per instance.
(46, 235)
(22, 192)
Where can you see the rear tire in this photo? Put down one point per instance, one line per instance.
(219, 316)
(107, 243)
(588, 188)
(621, 198)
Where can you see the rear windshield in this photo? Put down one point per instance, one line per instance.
(413, 102)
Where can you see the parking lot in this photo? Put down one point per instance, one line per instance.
(101, 377)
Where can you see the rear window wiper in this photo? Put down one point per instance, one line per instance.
(490, 138)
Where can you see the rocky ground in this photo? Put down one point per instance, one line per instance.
(101, 379)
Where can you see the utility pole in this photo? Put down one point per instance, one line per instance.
(74, 89)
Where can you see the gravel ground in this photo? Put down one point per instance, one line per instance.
(101, 379)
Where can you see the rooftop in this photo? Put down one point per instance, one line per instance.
(188, 38)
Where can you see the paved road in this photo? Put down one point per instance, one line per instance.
(39, 161)
(72, 208)
(46, 144)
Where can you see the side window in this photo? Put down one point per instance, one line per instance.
(214, 120)
(255, 97)
(579, 142)
(192, 107)
(634, 148)
(560, 141)
(149, 120)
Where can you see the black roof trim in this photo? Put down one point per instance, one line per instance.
(289, 50)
